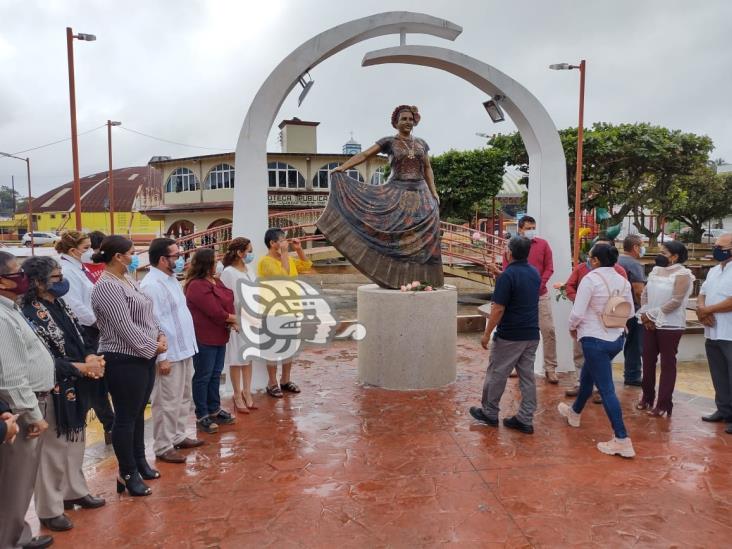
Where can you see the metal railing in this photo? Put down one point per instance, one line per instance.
(461, 246)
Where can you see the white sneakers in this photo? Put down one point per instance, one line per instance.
(617, 446)
(565, 410)
(614, 447)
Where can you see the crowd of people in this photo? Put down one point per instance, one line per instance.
(78, 335)
(614, 308)
(80, 330)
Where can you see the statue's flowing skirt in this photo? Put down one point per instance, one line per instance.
(391, 232)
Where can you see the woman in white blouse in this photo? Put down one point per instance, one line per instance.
(238, 256)
(600, 344)
(663, 314)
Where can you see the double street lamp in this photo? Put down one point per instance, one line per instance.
(580, 138)
(30, 205)
(72, 105)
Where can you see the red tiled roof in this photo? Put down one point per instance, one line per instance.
(95, 192)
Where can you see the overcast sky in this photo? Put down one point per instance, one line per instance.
(186, 71)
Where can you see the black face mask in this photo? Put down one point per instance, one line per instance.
(662, 261)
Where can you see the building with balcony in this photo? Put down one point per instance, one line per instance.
(198, 191)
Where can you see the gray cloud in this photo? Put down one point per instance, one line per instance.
(186, 71)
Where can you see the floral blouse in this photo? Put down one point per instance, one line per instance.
(407, 157)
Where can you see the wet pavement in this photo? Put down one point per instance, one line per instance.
(342, 465)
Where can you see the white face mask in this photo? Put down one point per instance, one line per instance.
(86, 257)
(530, 233)
(642, 251)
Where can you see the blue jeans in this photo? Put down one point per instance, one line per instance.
(632, 371)
(598, 371)
(208, 364)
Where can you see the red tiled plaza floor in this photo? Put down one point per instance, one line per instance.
(341, 465)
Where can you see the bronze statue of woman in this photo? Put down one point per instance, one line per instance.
(390, 232)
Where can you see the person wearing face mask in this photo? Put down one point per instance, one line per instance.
(541, 258)
(130, 338)
(633, 250)
(26, 381)
(573, 282)
(60, 483)
(663, 316)
(171, 395)
(76, 253)
(714, 310)
(238, 256)
(601, 340)
(212, 308)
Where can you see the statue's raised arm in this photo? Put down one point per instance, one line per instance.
(390, 232)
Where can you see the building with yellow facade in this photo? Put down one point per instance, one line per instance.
(53, 211)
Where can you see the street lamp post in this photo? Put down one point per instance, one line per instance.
(72, 107)
(110, 175)
(30, 205)
(580, 142)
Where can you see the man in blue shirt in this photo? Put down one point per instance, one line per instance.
(515, 317)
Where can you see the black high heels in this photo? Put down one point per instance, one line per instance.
(134, 485)
(147, 472)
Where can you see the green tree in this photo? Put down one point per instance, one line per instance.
(626, 168)
(701, 197)
(6, 200)
(466, 178)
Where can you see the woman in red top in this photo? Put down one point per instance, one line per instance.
(212, 308)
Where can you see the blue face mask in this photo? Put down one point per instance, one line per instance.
(589, 265)
(134, 264)
(180, 264)
(59, 289)
(720, 254)
(249, 258)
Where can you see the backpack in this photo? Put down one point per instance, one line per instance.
(617, 310)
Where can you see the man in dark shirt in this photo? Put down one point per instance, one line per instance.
(515, 314)
(633, 250)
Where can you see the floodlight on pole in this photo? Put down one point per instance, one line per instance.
(30, 202)
(306, 85)
(580, 142)
(494, 110)
(72, 108)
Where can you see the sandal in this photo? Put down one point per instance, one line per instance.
(643, 405)
(290, 387)
(274, 391)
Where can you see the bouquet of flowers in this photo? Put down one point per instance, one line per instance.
(417, 286)
(561, 291)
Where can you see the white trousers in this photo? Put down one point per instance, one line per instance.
(171, 405)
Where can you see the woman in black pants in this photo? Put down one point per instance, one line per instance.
(129, 339)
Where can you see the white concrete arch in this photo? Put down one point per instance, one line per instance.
(250, 192)
(547, 165)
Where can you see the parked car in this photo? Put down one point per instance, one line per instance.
(39, 239)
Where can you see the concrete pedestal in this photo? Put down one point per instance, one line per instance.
(411, 337)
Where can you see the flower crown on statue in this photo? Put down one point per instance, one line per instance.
(411, 108)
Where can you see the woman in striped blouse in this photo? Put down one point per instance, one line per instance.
(129, 339)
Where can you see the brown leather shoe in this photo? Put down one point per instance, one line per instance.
(572, 392)
(172, 456)
(551, 377)
(188, 443)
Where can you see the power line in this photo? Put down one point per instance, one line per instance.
(128, 129)
(60, 140)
